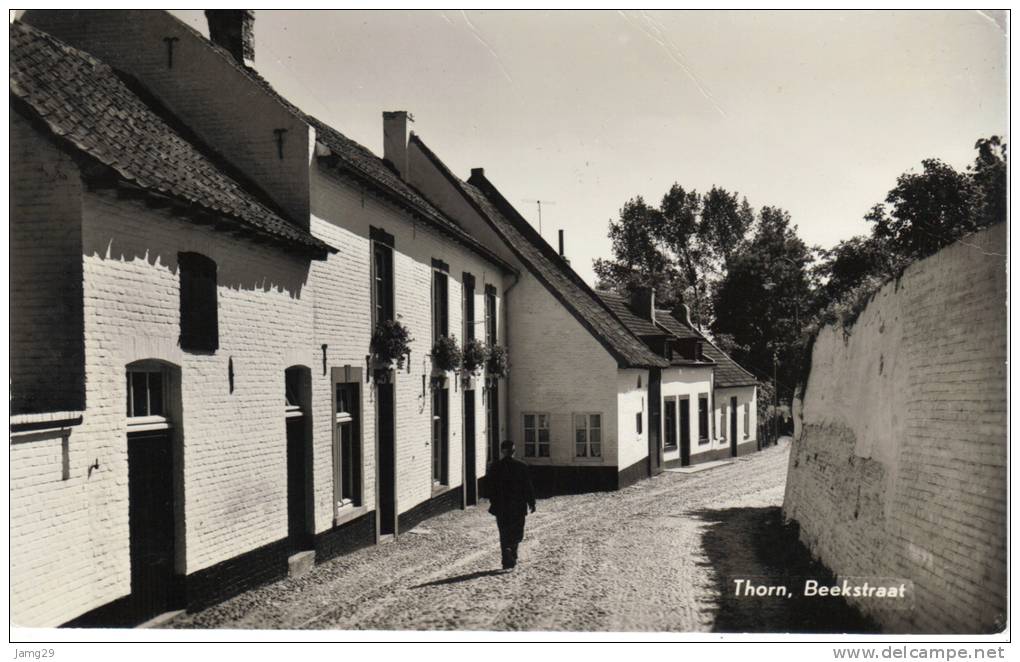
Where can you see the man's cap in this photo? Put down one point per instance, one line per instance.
(506, 445)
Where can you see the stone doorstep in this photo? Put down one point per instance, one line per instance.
(693, 469)
(300, 563)
(163, 619)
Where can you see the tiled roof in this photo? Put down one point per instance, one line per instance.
(621, 308)
(359, 160)
(552, 271)
(665, 319)
(727, 371)
(86, 105)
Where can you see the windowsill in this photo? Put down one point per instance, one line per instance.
(348, 512)
(147, 423)
(439, 488)
(669, 448)
(56, 420)
(589, 460)
(703, 442)
(538, 460)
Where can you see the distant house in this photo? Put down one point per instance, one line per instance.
(200, 268)
(581, 389)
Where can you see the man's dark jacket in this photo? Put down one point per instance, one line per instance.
(510, 491)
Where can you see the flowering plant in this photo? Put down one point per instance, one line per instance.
(446, 354)
(391, 343)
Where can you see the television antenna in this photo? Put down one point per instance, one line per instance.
(539, 204)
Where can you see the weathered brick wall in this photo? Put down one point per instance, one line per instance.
(70, 549)
(678, 382)
(899, 469)
(558, 368)
(47, 356)
(342, 213)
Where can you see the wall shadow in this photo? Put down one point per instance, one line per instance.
(753, 544)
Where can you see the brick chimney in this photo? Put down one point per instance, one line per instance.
(683, 313)
(234, 30)
(563, 255)
(395, 139)
(642, 302)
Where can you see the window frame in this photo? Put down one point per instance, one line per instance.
(588, 428)
(440, 304)
(674, 401)
(344, 507)
(747, 420)
(440, 435)
(468, 307)
(491, 316)
(537, 444)
(147, 421)
(704, 415)
(382, 283)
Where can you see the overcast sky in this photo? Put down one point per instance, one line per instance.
(815, 112)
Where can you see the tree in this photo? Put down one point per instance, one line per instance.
(639, 258)
(929, 210)
(762, 301)
(989, 175)
(850, 262)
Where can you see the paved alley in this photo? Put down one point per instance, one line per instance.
(653, 557)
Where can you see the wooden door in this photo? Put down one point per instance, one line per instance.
(733, 426)
(685, 432)
(151, 523)
(470, 480)
(387, 477)
(297, 519)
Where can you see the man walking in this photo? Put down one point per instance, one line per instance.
(510, 498)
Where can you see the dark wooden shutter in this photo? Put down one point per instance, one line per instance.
(199, 312)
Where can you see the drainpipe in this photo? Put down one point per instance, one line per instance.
(506, 342)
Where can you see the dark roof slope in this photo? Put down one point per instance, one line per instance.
(88, 107)
(362, 163)
(550, 269)
(621, 308)
(728, 373)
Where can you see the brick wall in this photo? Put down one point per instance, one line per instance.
(899, 469)
(342, 213)
(47, 356)
(233, 443)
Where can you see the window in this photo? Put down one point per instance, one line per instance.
(747, 420)
(703, 418)
(588, 435)
(382, 278)
(669, 420)
(199, 322)
(469, 307)
(440, 435)
(347, 446)
(440, 305)
(145, 393)
(536, 435)
(637, 420)
(490, 315)
(722, 423)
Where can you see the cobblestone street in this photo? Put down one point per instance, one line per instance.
(654, 557)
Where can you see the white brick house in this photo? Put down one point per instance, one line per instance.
(579, 403)
(285, 436)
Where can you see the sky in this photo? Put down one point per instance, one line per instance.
(814, 112)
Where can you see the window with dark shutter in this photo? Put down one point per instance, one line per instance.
(490, 315)
(440, 305)
(703, 418)
(199, 314)
(469, 307)
(382, 275)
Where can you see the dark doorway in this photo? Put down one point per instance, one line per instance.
(297, 520)
(685, 432)
(733, 426)
(386, 427)
(470, 481)
(492, 426)
(654, 422)
(151, 522)
(669, 424)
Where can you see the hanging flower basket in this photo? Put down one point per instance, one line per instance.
(474, 356)
(391, 344)
(446, 354)
(499, 362)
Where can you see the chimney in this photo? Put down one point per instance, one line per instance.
(642, 302)
(564, 257)
(395, 139)
(683, 313)
(234, 30)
